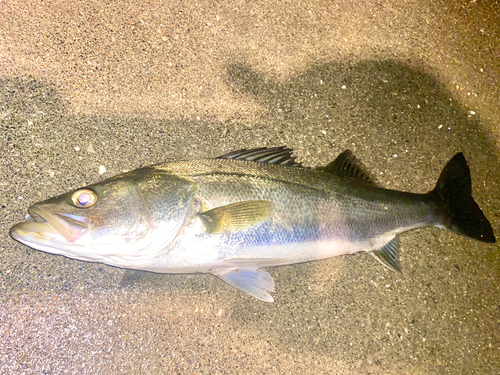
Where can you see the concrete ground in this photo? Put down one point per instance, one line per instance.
(92, 85)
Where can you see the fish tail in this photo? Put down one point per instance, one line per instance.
(461, 214)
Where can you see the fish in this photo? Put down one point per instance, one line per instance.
(237, 214)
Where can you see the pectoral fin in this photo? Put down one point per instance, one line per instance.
(236, 216)
(388, 255)
(251, 280)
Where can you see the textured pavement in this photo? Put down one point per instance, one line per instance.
(90, 89)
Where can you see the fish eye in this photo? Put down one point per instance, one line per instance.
(84, 198)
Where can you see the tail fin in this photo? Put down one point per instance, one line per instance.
(463, 215)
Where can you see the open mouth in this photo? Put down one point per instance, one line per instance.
(71, 227)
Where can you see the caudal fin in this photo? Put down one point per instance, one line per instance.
(462, 214)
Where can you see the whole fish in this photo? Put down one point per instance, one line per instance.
(233, 215)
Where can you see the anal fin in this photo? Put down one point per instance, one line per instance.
(388, 255)
(251, 280)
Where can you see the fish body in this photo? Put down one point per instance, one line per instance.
(234, 215)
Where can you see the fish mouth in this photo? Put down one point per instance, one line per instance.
(48, 223)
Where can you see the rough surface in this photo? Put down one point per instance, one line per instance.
(91, 88)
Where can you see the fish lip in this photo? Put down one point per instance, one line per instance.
(36, 215)
(71, 227)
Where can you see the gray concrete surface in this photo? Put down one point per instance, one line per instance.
(404, 84)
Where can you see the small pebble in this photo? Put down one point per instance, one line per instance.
(77, 148)
(102, 169)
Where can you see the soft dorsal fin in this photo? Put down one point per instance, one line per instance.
(276, 155)
(347, 165)
(388, 255)
(236, 216)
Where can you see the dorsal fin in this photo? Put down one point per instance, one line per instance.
(347, 165)
(275, 155)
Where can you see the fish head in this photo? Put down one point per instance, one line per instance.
(122, 221)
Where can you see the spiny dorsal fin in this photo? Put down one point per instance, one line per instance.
(236, 216)
(388, 255)
(347, 165)
(276, 155)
